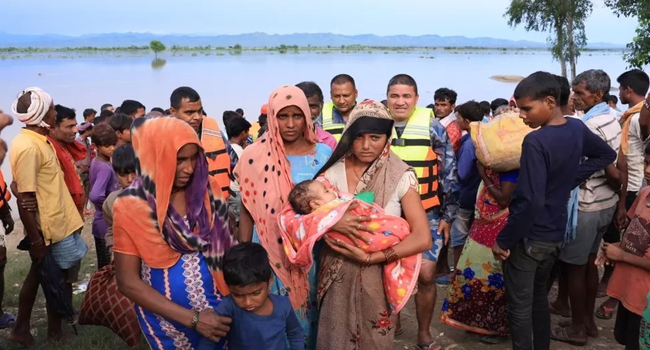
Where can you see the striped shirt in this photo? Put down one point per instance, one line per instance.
(596, 194)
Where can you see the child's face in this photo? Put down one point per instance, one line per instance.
(106, 151)
(463, 123)
(125, 135)
(536, 113)
(125, 180)
(251, 297)
(323, 195)
(646, 169)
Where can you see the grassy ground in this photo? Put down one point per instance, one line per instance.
(100, 338)
(90, 337)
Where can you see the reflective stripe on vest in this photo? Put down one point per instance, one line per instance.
(414, 147)
(328, 122)
(215, 152)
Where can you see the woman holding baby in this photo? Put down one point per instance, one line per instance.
(344, 278)
(350, 280)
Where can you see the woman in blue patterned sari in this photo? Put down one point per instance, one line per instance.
(170, 233)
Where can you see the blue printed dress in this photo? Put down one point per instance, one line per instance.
(189, 284)
(305, 168)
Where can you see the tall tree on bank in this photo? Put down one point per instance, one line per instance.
(639, 54)
(564, 19)
(157, 46)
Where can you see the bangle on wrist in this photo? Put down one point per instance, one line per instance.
(195, 320)
(37, 243)
(390, 255)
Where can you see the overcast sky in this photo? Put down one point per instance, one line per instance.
(471, 18)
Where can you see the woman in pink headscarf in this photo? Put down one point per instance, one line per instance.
(287, 154)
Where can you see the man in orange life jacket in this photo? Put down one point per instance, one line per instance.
(7, 224)
(6, 227)
(185, 104)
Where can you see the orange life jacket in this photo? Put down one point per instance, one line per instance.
(215, 152)
(5, 194)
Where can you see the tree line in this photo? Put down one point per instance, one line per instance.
(564, 20)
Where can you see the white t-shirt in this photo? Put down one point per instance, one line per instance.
(234, 185)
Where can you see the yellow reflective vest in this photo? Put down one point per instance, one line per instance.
(328, 122)
(414, 147)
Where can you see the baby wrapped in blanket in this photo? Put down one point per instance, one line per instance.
(316, 207)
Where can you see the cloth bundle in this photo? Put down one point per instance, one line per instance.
(498, 142)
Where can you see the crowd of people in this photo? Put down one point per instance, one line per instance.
(312, 227)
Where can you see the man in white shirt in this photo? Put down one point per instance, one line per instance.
(634, 86)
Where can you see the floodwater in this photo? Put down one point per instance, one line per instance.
(227, 82)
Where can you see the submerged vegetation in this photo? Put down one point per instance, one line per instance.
(428, 53)
(282, 49)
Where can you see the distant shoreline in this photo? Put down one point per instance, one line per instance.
(283, 49)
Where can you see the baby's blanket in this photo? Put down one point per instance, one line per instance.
(300, 233)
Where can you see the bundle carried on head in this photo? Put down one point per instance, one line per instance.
(498, 142)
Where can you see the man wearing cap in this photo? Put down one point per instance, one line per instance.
(56, 222)
(257, 126)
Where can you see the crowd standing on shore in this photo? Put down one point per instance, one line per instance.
(312, 227)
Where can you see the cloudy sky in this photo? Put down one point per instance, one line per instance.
(472, 18)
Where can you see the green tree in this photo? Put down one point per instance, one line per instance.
(157, 46)
(639, 54)
(563, 19)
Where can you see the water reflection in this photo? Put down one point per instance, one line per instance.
(158, 63)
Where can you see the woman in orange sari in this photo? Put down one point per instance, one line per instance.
(170, 232)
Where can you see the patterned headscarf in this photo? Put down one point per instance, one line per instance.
(264, 175)
(40, 105)
(383, 175)
(204, 228)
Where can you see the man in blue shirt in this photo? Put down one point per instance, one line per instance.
(550, 168)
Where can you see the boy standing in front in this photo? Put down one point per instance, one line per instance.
(550, 168)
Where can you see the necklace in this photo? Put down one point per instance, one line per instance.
(353, 168)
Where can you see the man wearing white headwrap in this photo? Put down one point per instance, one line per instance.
(56, 222)
(41, 102)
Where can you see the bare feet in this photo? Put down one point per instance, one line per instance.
(25, 339)
(562, 310)
(57, 338)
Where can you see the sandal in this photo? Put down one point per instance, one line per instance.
(428, 346)
(605, 313)
(493, 339)
(443, 280)
(562, 334)
(7, 321)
